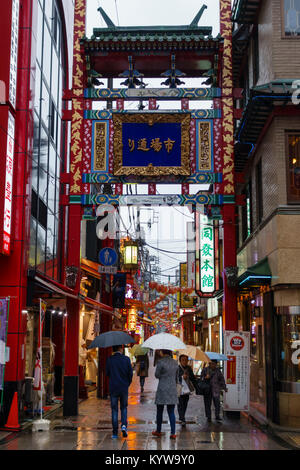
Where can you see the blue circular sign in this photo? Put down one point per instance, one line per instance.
(108, 256)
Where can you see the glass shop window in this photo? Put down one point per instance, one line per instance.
(291, 17)
(289, 343)
(293, 157)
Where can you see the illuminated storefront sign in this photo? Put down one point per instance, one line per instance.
(8, 185)
(132, 317)
(14, 52)
(207, 255)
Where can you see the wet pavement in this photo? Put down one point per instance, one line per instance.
(91, 429)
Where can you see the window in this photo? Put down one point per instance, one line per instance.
(289, 336)
(259, 193)
(48, 145)
(291, 17)
(293, 163)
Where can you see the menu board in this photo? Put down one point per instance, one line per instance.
(237, 370)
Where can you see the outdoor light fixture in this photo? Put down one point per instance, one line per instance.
(130, 254)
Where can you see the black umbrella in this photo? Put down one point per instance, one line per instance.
(111, 338)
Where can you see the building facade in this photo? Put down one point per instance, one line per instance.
(36, 67)
(266, 43)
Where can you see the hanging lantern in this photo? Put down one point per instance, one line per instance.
(130, 254)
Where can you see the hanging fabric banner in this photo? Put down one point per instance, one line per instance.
(37, 383)
(4, 308)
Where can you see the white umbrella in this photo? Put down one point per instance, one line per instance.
(164, 341)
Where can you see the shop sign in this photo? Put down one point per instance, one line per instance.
(7, 215)
(237, 370)
(14, 52)
(131, 322)
(207, 255)
(186, 300)
(191, 259)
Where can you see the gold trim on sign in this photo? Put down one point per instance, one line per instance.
(100, 150)
(150, 170)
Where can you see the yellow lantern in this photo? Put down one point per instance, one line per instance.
(130, 254)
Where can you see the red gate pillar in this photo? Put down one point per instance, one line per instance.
(228, 187)
(71, 384)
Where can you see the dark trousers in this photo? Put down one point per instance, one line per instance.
(114, 400)
(159, 417)
(182, 405)
(142, 381)
(208, 398)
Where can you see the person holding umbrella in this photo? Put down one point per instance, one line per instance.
(166, 394)
(119, 371)
(215, 378)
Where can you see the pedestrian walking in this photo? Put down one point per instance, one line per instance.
(119, 371)
(166, 394)
(142, 367)
(157, 357)
(188, 384)
(215, 378)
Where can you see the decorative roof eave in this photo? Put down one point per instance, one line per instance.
(263, 99)
(240, 42)
(245, 11)
(141, 42)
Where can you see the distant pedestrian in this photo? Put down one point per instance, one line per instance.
(157, 357)
(188, 383)
(119, 371)
(142, 367)
(215, 378)
(166, 394)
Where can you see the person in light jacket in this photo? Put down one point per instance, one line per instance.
(166, 394)
(214, 376)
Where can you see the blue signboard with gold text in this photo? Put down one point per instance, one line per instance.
(151, 144)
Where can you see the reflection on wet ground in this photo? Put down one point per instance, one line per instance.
(91, 429)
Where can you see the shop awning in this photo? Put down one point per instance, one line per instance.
(257, 275)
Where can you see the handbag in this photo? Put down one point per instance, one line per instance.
(179, 389)
(203, 387)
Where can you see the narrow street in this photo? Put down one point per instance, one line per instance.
(91, 429)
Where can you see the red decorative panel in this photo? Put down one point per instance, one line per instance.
(227, 98)
(193, 146)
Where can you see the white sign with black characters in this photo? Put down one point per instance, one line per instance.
(237, 370)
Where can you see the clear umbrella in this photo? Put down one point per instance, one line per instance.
(164, 341)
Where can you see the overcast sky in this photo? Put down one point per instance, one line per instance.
(152, 12)
(170, 231)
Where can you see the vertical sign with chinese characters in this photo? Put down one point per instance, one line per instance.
(7, 214)
(207, 255)
(237, 370)
(14, 52)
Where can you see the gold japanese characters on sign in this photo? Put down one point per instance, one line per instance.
(205, 146)
(227, 103)
(100, 146)
(176, 149)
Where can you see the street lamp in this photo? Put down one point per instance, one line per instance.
(130, 254)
